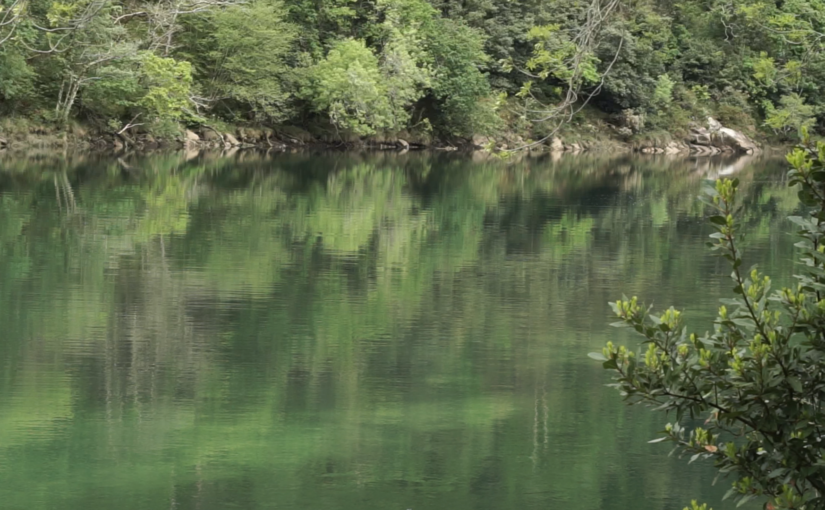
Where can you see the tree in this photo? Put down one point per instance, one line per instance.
(94, 43)
(757, 379)
(460, 89)
(793, 115)
(16, 76)
(663, 93)
(238, 54)
(403, 64)
(347, 85)
(147, 87)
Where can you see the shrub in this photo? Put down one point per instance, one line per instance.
(757, 379)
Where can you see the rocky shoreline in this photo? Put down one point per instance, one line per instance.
(709, 140)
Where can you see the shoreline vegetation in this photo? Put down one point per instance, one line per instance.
(643, 75)
(711, 141)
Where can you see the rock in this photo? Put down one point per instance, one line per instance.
(403, 144)
(702, 138)
(652, 149)
(716, 139)
(230, 140)
(249, 135)
(675, 148)
(556, 144)
(191, 137)
(292, 134)
(415, 139)
(210, 135)
(481, 141)
(736, 141)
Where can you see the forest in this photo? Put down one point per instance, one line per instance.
(422, 69)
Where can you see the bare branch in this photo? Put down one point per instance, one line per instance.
(586, 40)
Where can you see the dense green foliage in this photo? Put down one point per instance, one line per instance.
(757, 379)
(424, 67)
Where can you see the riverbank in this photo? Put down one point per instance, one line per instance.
(709, 139)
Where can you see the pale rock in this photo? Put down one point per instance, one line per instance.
(210, 135)
(481, 141)
(735, 140)
(556, 144)
(230, 140)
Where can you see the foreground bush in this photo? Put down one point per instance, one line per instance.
(757, 380)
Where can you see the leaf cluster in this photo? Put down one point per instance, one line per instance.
(756, 380)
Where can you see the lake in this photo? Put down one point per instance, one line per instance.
(349, 331)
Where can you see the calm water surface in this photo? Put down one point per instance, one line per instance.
(347, 331)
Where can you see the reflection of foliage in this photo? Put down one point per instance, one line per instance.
(370, 321)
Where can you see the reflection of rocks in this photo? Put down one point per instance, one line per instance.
(724, 168)
(676, 148)
(657, 147)
(704, 150)
(190, 153)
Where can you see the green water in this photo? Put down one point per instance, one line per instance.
(342, 331)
